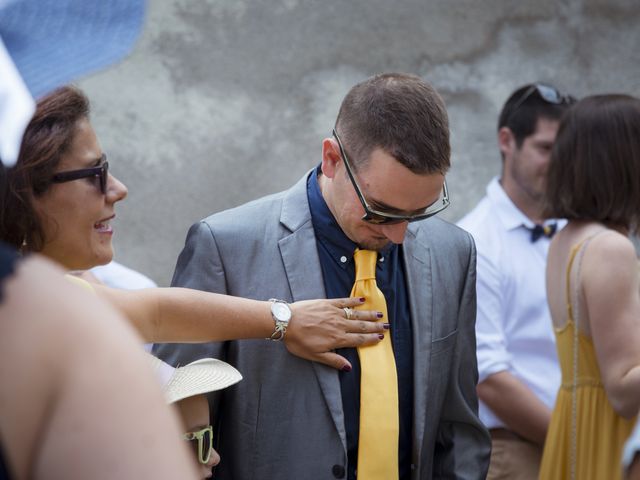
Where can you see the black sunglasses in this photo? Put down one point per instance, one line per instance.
(101, 172)
(383, 218)
(547, 93)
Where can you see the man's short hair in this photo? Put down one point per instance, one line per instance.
(594, 173)
(402, 115)
(526, 105)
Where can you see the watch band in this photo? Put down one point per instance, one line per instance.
(281, 324)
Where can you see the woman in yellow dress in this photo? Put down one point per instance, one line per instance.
(593, 288)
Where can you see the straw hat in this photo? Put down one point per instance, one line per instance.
(202, 376)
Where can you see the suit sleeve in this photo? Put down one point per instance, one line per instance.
(463, 444)
(199, 267)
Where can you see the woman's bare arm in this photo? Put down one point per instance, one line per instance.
(79, 400)
(612, 294)
(166, 315)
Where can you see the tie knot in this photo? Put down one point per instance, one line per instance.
(365, 264)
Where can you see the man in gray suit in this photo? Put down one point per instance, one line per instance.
(380, 181)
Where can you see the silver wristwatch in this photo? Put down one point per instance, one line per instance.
(281, 313)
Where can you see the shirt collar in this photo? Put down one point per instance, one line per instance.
(327, 230)
(509, 215)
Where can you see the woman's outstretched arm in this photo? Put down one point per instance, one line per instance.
(178, 315)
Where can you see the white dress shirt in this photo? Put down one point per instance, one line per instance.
(513, 325)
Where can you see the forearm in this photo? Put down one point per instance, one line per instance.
(182, 315)
(516, 405)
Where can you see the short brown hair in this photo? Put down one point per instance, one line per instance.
(47, 137)
(594, 172)
(400, 114)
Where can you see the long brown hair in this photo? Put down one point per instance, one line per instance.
(47, 137)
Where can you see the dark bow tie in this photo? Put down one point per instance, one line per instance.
(539, 231)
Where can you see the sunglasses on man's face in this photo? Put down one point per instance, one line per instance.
(549, 94)
(378, 217)
(100, 173)
(202, 441)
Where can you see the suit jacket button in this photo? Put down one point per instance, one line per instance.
(338, 471)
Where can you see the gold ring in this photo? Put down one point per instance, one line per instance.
(348, 312)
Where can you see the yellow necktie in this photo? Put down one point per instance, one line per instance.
(379, 424)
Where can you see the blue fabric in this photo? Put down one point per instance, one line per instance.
(8, 259)
(339, 277)
(4, 470)
(52, 42)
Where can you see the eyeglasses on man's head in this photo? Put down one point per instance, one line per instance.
(101, 173)
(378, 217)
(547, 93)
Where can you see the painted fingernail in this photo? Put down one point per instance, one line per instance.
(379, 314)
(386, 326)
(362, 299)
(346, 368)
(381, 336)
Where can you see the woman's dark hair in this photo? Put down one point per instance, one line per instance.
(48, 136)
(594, 172)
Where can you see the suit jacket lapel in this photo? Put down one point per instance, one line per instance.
(302, 265)
(419, 279)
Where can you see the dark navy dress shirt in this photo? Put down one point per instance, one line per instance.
(336, 251)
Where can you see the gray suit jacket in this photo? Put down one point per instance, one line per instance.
(285, 419)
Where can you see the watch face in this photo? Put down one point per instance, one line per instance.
(281, 311)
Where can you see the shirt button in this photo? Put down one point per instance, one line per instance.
(382, 259)
(343, 259)
(338, 471)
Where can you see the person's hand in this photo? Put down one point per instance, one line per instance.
(319, 326)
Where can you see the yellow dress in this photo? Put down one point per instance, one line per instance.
(600, 432)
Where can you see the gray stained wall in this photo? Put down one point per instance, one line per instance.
(224, 101)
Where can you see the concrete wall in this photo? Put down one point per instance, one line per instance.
(224, 101)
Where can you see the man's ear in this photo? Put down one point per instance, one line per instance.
(506, 141)
(331, 157)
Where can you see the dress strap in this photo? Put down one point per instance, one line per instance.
(572, 257)
(577, 250)
(80, 282)
(580, 246)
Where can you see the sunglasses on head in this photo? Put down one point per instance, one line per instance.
(378, 217)
(204, 446)
(100, 172)
(548, 93)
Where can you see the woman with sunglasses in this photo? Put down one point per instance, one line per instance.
(593, 289)
(59, 201)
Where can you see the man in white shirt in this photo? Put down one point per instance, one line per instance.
(518, 366)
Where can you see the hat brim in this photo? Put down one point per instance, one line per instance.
(202, 376)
